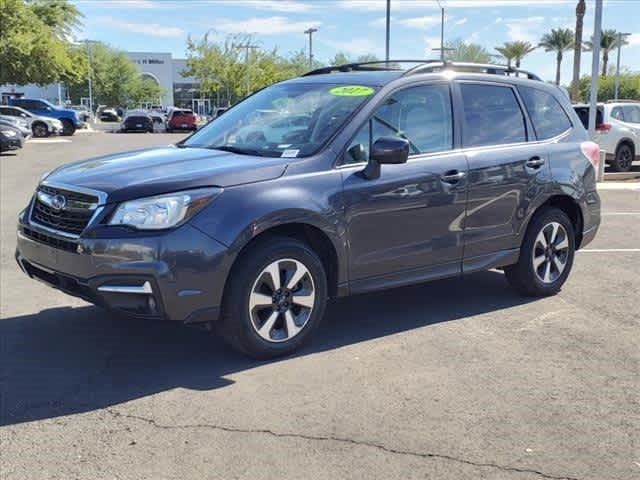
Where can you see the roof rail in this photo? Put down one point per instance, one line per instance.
(622, 100)
(489, 68)
(424, 66)
(366, 66)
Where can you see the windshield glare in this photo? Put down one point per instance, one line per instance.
(289, 120)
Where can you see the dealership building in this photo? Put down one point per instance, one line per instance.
(162, 68)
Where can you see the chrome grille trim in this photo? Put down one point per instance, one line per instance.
(94, 208)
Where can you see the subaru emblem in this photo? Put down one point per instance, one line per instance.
(58, 202)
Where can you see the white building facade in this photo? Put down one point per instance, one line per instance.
(161, 67)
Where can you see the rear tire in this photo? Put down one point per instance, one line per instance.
(623, 158)
(266, 318)
(546, 255)
(68, 128)
(40, 130)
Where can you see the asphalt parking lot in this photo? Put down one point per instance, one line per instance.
(458, 379)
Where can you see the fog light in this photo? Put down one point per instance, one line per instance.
(152, 304)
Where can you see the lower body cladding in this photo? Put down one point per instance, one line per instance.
(177, 275)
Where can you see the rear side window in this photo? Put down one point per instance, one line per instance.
(583, 115)
(548, 117)
(492, 116)
(616, 113)
(631, 113)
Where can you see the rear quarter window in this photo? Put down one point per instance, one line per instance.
(492, 115)
(547, 115)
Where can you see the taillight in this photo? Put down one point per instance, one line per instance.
(603, 127)
(591, 150)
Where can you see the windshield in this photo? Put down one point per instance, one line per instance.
(288, 120)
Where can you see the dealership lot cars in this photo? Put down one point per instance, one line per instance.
(457, 379)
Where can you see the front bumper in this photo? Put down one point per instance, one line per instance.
(178, 275)
(13, 143)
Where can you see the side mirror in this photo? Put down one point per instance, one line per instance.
(386, 150)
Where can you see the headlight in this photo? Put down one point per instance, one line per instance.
(8, 133)
(163, 211)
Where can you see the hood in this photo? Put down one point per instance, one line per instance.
(147, 172)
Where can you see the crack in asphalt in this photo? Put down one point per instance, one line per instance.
(330, 438)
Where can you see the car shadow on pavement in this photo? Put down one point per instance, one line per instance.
(63, 361)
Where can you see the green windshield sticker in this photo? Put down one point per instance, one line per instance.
(352, 91)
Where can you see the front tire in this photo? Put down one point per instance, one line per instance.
(546, 255)
(68, 128)
(40, 130)
(623, 159)
(275, 298)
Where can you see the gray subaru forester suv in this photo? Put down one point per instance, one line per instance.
(346, 180)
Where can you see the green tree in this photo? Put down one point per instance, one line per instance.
(33, 47)
(225, 72)
(59, 15)
(367, 57)
(515, 51)
(340, 58)
(559, 40)
(629, 87)
(608, 42)
(467, 52)
(115, 79)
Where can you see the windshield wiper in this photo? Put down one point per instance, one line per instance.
(239, 150)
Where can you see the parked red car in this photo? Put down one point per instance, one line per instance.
(180, 119)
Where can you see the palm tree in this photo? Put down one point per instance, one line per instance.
(577, 50)
(515, 51)
(608, 42)
(461, 51)
(559, 40)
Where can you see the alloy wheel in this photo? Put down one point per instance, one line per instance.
(281, 300)
(550, 252)
(624, 159)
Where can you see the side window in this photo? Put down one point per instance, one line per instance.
(421, 115)
(548, 117)
(492, 116)
(631, 113)
(617, 113)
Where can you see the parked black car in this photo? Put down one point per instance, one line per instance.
(11, 138)
(398, 176)
(137, 122)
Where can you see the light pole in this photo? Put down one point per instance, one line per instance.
(247, 46)
(388, 30)
(86, 43)
(620, 40)
(310, 32)
(595, 64)
(441, 30)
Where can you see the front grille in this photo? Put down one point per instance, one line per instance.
(51, 241)
(67, 220)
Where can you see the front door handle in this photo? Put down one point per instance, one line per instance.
(535, 162)
(452, 176)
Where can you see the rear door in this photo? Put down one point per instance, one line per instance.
(508, 169)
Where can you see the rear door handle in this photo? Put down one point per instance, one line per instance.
(535, 162)
(452, 176)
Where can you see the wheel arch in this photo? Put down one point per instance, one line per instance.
(313, 236)
(571, 208)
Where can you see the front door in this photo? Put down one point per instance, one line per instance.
(410, 218)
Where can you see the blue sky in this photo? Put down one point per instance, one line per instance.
(354, 26)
